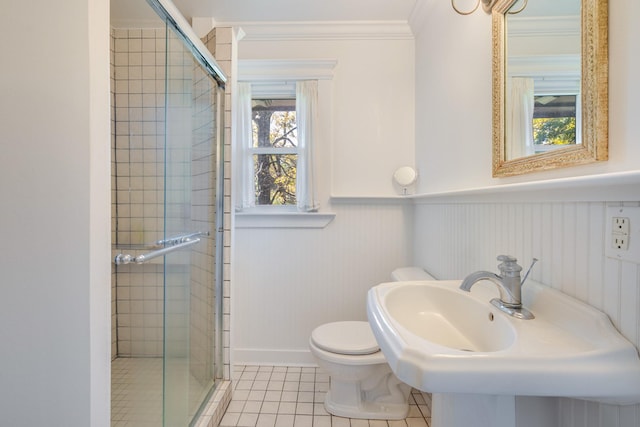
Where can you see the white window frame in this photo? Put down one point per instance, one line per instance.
(562, 86)
(272, 90)
(552, 75)
(276, 79)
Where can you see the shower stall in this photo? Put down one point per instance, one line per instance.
(167, 192)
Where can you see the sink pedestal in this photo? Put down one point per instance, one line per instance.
(477, 410)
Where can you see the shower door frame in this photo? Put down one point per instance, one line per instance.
(209, 71)
(177, 373)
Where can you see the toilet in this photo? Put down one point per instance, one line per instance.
(362, 384)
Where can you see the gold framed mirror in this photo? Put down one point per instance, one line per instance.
(572, 82)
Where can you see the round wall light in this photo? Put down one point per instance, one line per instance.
(404, 177)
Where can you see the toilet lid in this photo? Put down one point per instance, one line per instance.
(345, 338)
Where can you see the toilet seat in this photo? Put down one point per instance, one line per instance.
(348, 338)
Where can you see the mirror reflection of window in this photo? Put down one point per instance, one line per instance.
(543, 41)
(554, 122)
(544, 114)
(543, 50)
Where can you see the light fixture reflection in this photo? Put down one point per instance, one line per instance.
(487, 6)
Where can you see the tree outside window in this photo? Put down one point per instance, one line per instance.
(275, 151)
(554, 120)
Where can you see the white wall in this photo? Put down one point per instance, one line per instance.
(453, 99)
(371, 123)
(54, 187)
(456, 235)
(288, 281)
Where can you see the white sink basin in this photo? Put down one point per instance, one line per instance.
(444, 317)
(440, 339)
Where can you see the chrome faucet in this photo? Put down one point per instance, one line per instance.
(509, 285)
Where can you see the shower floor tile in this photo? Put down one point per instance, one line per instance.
(279, 396)
(136, 392)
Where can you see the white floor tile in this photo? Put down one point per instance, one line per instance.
(266, 420)
(284, 420)
(247, 420)
(283, 396)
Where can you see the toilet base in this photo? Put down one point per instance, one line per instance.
(378, 397)
(367, 410)
(360, 385)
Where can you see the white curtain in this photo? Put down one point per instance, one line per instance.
(246, 196)
(306, 117)
(519, 118)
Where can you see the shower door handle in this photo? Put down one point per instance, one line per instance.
(180, 239)
(122, 259)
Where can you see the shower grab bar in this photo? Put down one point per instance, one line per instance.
(179, 239)
(122, 259)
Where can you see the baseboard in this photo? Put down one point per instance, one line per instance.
(252, 356)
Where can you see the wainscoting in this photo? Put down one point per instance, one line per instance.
(288, 281)
(453, 239)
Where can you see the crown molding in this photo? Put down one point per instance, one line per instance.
(544, 26)
(268, 70)
(324, 30)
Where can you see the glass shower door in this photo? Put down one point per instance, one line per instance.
(192, 112)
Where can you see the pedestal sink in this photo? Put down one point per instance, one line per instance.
(440, 339)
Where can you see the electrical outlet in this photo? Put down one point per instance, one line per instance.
(620, 242)
(623, 233)
(620, 225)
(620, 233)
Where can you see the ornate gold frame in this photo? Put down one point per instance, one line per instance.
(595, 93)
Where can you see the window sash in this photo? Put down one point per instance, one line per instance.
(272, 150)
(306, 116)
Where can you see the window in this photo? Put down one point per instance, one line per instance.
(276, 124)
(557, 113)
(554, 121)
(545, 104)
(290, 89)
(274, 151)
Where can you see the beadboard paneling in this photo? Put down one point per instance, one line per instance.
(288, 281)
(454, 239)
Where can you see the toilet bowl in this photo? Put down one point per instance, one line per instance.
(362, 384)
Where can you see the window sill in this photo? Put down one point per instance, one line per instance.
(372, 200)
(283, 219)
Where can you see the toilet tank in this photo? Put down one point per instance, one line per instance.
(405, 274)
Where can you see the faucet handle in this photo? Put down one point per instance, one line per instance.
(509, 264)
(528, 271)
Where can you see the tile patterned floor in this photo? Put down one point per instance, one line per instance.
(275, 396)
(136, 392)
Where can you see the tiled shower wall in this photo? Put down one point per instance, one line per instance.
(138, 65)
(453, 239)
(138, 81)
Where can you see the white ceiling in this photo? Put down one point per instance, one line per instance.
(274, 10)
(309, 10)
